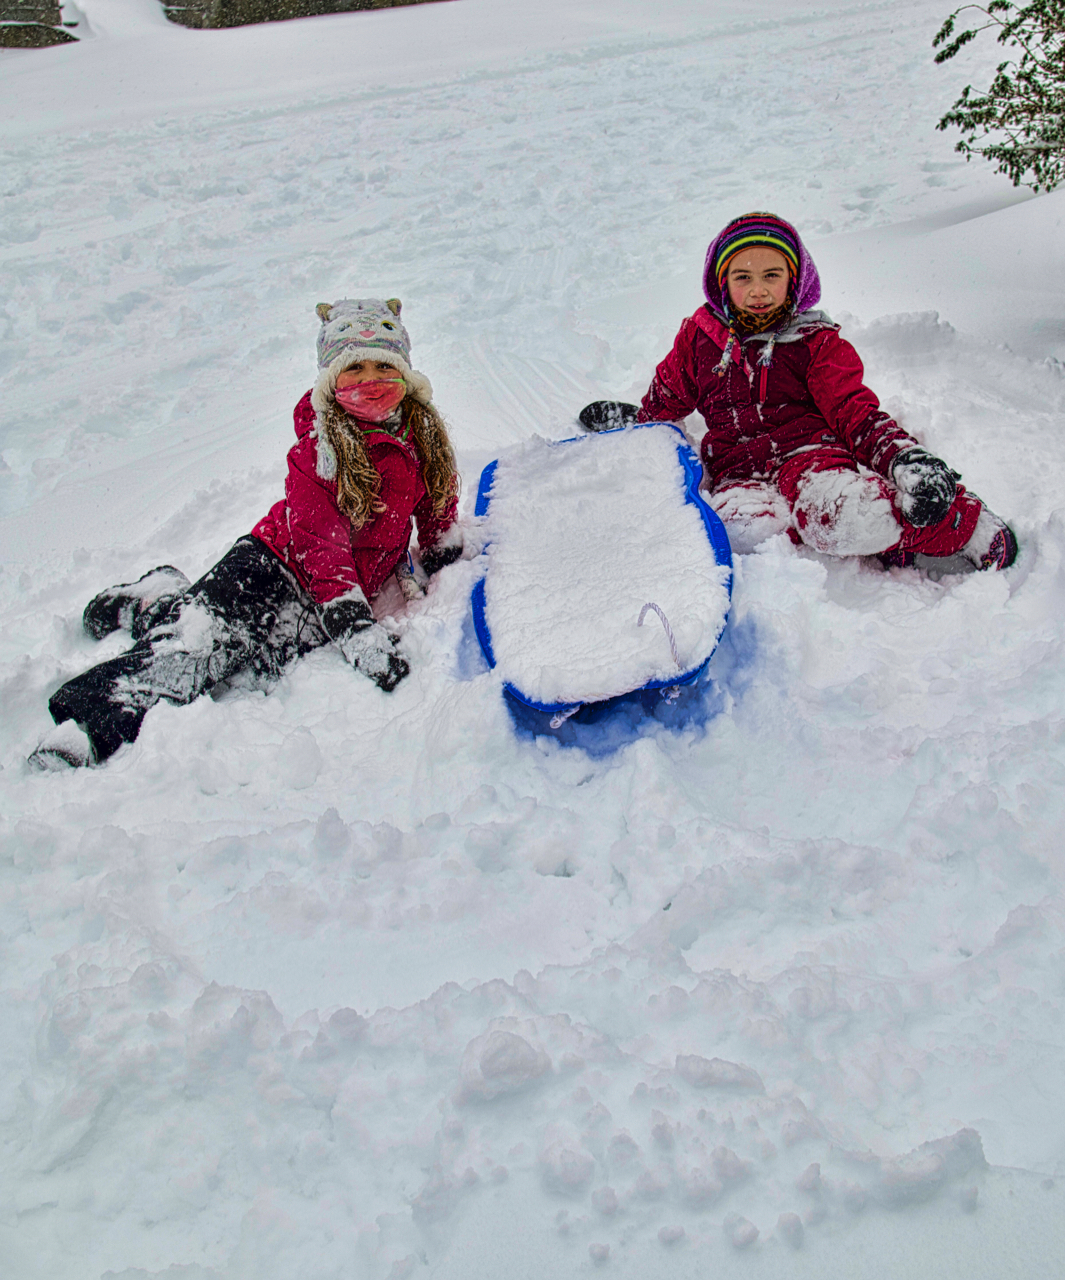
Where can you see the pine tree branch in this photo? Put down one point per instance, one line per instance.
(1020, 117)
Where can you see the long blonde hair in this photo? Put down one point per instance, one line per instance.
(358, 480)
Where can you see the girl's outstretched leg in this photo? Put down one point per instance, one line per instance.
(206, 635)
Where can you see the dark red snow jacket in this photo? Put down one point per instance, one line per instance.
(756, 416)
(310, 533)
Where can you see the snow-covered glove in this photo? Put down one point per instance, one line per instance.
(607, 415)
(926, 485)
(348, 622)
(452, 545)
(437, 558)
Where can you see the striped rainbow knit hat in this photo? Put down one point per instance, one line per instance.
(759, 228)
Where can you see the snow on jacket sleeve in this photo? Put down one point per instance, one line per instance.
(674, 390)
(835, 381)
(320, 534)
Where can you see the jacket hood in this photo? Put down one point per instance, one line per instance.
(806, 290)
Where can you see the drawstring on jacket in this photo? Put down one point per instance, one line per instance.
(766, 358)
(722, 366)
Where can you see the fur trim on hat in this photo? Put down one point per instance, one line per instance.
(326, 460)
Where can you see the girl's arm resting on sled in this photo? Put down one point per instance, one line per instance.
(441, 538)
(849, 407)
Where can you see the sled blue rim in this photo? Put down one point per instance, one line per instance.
(716, 535)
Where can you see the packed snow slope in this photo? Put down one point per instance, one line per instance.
(329, 983)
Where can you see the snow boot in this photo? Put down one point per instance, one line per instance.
(607, 415)
(993, 544)
(67, 746)
(896, 559)
(133, 605)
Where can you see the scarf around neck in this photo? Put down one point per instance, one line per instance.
(746, 322)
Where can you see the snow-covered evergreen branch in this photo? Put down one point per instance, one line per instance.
(1020, 118)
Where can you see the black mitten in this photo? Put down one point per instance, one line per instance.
(346, 615)
(607, 415)
(437, 558)
(926, 485)
(349, 623)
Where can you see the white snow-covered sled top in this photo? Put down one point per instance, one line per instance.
(583, 535)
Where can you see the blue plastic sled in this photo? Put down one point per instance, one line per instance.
(607, 576)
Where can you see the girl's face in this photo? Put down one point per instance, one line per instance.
(758, 279)
(366, 371)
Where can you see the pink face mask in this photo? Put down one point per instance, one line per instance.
(372, 401)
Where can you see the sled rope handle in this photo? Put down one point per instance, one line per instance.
(665, 623)
(560, 718)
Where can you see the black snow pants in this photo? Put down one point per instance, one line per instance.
(248, 612)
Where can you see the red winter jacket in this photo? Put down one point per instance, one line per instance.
(756, 415)
(308, 531)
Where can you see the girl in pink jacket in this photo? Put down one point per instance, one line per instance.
(371, 455)
(795, 442)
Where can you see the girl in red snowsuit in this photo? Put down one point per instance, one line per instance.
(371, 456)
(794, 440)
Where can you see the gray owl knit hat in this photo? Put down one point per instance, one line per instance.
(355, 329)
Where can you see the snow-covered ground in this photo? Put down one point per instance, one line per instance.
(329, 983)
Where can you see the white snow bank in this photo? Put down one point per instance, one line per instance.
(584, 533)
(996, 272)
